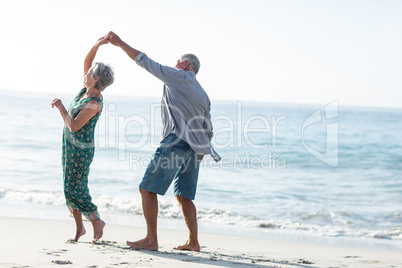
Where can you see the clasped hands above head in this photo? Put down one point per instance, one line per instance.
(111, 37)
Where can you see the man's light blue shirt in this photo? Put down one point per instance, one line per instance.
(185, 106)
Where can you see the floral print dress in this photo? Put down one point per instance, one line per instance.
(77, 154)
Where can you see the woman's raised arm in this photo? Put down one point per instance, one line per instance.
(92, 53)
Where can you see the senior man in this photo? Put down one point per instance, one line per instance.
(186, 138)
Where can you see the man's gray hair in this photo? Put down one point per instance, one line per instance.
(193, 60)
(105, 74)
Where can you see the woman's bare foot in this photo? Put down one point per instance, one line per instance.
(98, 229)
(189, 245)
(143, 244)
(78, 234)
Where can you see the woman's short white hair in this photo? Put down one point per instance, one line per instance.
(105, 74)
(194, 62)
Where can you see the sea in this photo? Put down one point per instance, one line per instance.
(324, 173)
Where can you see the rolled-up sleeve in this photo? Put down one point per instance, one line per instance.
(139, 58)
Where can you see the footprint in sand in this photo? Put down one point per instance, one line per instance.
(61, 262)
(54, 252)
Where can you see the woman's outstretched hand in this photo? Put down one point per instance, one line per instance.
(103, 40)
(56, 102)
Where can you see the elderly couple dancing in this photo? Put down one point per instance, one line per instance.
(186, 138)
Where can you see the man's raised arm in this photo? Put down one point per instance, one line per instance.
(115, 40)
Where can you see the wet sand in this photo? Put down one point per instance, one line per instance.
(42, 243)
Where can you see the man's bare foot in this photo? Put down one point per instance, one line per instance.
(98, 229)
(78, 234)
(143, 244)
(189, 245)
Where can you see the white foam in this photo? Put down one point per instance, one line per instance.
(171, 210)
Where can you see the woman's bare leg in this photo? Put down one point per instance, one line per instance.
(98, 226)
(80, 229)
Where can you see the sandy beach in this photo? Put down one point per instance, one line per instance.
(41, 243)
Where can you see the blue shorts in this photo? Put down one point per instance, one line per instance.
(174, 160)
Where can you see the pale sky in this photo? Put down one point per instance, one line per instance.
(275, 51)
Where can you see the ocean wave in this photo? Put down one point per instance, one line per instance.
(32, 196)
(330, 224)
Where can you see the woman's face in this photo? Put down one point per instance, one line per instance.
(88, 79)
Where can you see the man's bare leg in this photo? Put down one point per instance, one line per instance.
(98, 226)
(190, 217)
(80, 229)
(150, 209)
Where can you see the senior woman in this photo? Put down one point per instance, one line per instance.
(78, 141)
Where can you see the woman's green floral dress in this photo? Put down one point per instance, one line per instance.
(78, 152)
